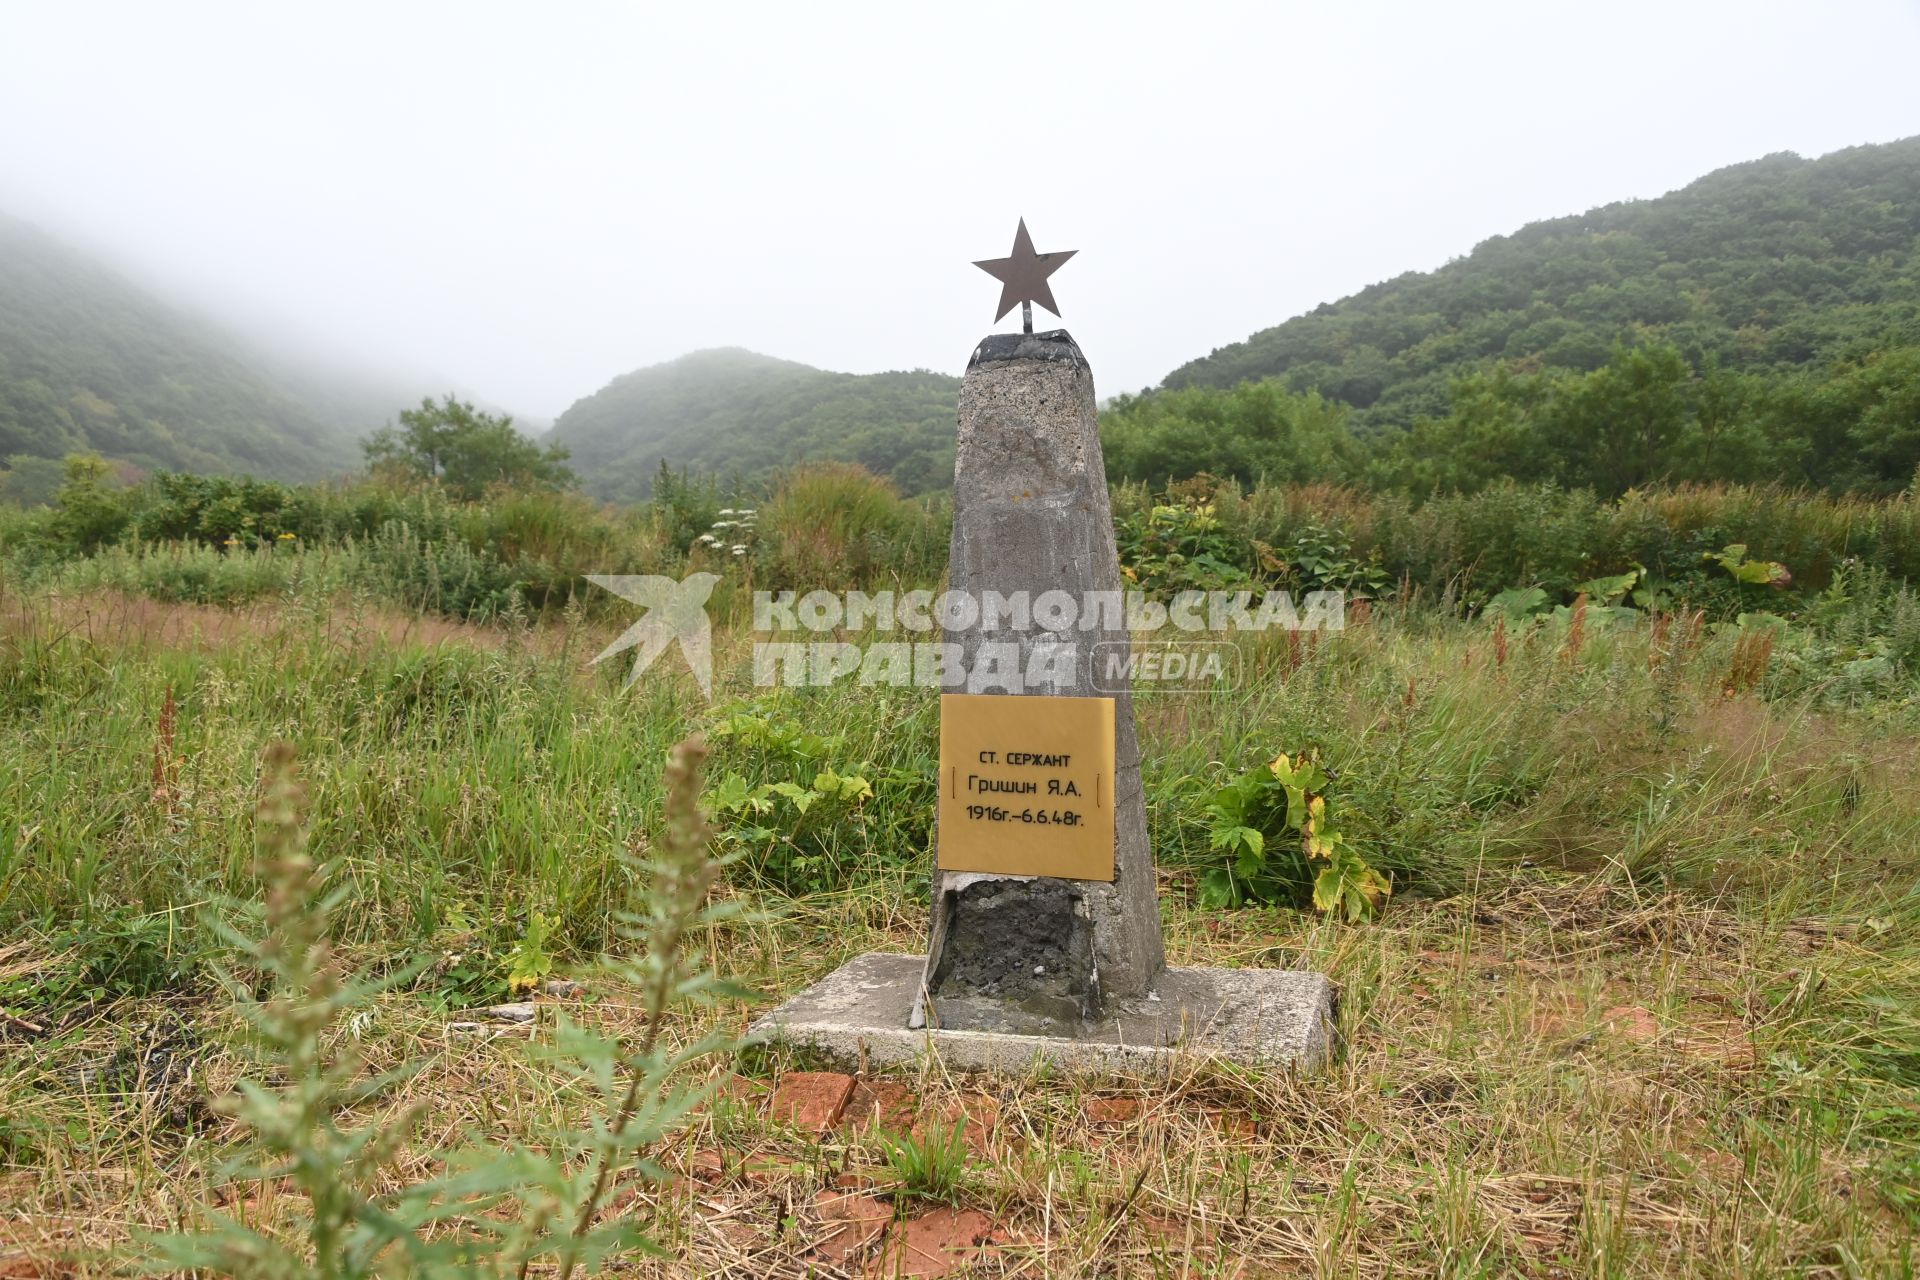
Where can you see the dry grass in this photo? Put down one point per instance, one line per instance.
(1565, 1078)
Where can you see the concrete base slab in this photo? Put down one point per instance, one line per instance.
(1279, 1017)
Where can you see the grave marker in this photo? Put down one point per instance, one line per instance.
(1045, 939)
(1026, 786)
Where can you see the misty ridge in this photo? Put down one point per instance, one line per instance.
(1758, 325)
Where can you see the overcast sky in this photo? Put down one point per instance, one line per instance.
(526, 199)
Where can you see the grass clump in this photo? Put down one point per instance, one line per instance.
(838, 522)
(930, 1164)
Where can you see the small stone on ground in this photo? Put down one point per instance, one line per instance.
(520, 1011)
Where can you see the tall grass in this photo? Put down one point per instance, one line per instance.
(830, 523)
(1581, 830)
(466, 777)
(835, 525)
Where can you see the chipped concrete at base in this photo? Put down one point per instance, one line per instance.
(1272, 1017)
(1017, 957)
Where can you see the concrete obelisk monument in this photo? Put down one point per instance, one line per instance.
(1026, 952)
(1045, 932)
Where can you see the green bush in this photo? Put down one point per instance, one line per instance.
(834, 523)
(88, 512)
(1470, 547)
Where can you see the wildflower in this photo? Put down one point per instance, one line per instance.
(740, 549)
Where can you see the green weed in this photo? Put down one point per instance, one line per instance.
(929, 1165)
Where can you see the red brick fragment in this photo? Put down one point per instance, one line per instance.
(976, 1112)
(936, 1243)
(885, 1104)
(1113, 1112)
(18, 1266)
(742, 1091)
(851, 1223)
(811, 1100)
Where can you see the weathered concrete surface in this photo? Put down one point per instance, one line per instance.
(1017, 957)
(1030, 513)
(1258, 1017)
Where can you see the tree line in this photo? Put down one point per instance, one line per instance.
(1648, 415)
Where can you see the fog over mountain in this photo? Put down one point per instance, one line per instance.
(527, 206)
(89, 361)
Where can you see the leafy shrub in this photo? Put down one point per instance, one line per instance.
(216, 510)
(1322, 559)
(1180, 545)
(1255, 431)
(193, 573)
(1250, 818)
(448, 578)
(466, 450)
(683, 506)
(225, 540)
(88, 512)
(789, 809)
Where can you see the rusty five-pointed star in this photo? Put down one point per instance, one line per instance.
(1023, 277)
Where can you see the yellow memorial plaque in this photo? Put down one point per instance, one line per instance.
(1026, 785)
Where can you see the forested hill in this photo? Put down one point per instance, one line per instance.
(1761, 266)
(89, 361)
(737, 414)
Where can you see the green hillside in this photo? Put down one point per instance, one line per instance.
(1761, 325)
(89, 361)
(742, 415)
(1761, 266)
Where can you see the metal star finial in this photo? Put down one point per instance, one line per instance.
(1023, 277)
